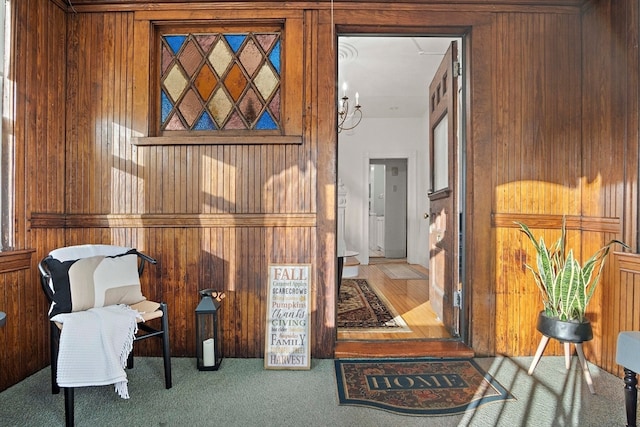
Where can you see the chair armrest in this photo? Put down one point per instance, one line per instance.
(144, 258)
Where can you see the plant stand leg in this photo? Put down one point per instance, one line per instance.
(543, 344)
(567, 355)
(585, 367)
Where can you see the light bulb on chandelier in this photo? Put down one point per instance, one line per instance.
(348, 119)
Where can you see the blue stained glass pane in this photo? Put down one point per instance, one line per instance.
(166, 106)
(274, 56)
(235, 41)
(204, 123)
(175, 42)
(266, 122)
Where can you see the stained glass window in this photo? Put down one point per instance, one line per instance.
(220, 81)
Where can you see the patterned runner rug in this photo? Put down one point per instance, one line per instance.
(359, 307)
(417, 386)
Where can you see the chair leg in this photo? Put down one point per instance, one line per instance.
(130, 360)
(340, 269)
(630, 396)
(54, 340)
(68, 407)
(543, 344)
(166, 355)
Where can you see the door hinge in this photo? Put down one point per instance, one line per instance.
(457, 299)
(457, 69)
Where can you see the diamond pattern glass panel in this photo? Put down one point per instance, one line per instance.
(220, 81)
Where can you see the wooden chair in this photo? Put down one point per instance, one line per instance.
(149, 310)
(627, 356)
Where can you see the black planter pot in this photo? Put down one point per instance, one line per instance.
(565, 331)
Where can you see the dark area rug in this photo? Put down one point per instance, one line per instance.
(417, 386)
(360, 307)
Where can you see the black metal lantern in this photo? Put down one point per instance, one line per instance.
(208, 335)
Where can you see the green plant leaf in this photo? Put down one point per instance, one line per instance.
(566, 287)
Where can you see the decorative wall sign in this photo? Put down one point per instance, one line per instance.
(288, 306)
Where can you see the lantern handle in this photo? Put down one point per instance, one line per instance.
(212, 293)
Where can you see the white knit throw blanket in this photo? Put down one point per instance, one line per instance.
(94, 346)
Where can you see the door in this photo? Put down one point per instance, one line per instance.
(443, 223)
(395, 208)
(388, 202)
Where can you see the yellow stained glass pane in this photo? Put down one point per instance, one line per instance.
(220, 57)
(266, 81)
(220, 106)
(175, 82)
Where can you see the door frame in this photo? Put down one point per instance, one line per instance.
(479, 47)
(414, 213)
(412, 201)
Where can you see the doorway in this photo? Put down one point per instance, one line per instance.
(394, 126)
(388, 208)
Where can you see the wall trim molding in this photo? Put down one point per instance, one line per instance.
(53, 220)
(15, 260)
(574, 222)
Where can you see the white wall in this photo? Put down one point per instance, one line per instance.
(378, 139)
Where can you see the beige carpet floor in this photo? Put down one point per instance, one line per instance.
(242, 393)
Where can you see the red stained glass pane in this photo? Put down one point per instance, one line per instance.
(251, 57)
(250, 106)
(206, 41)
(190, 58)
(266, 41)
(167, 57)
(235, 122)
(274, 106)
(190, 107)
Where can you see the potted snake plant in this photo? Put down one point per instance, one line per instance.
(566, 286)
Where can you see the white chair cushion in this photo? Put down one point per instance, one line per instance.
(628, 350)
(85, 251)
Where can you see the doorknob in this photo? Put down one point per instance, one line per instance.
(426, 215)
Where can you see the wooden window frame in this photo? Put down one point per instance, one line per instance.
(146, 70)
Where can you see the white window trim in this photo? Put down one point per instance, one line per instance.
(7, 161)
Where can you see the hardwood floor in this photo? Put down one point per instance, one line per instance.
(410, 298)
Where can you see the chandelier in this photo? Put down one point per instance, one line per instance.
(348, 118)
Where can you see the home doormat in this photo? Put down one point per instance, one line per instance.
(401, 271)
(419, 387)
(359, 307)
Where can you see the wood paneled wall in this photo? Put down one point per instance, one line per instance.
(34, 128)
(215, 216)
(610, 161)
(549, 132)
(536, 156)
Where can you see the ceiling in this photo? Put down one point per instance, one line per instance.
(391, 74)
